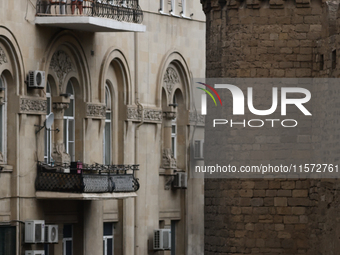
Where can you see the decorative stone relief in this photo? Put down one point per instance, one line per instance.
(168, 182)
(59, 108)
(197, 119)
(169, 115)
(33, 106)
(170, 78)
(168, 161)
(3, 57)
(95, 111)
(150, 115)
(61, 64)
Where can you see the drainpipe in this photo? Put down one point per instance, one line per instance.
(140, 110)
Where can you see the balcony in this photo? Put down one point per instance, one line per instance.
(91, 16)
(88, 182)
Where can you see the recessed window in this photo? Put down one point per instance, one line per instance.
(67, 239)
(321, 62)
(48, 139)
(108, 238)
(174, 133)
(333, 59)
(69, 124)
(3, 112)
(107, 137)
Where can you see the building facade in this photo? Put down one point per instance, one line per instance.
(276, 39)
(117, 77)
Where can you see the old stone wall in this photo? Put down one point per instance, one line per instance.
(275, 216)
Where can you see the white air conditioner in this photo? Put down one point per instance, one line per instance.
(198, 149)
(36, 79)
(162, 239)
(51, 234)
(180, 180)
(34, 252)
(34, 231)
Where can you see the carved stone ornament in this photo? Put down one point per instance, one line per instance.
(33, 106)
(168, 161)
(170, 115)
(170, 78)
(168, 182)
(196, 119)
(95, 111)
(150, 115)
(59, 154)
(61, 64)
(3, 58)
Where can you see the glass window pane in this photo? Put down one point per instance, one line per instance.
(67, 231)
(173, 129)
(107, 143)
(109, 246)
(1, 127)
(69, 247)
(69, 111)
(173, 145)
(48, 104)
(108, 228)
(108, 116)
(104, 247)
(71, 130)
(66, 134)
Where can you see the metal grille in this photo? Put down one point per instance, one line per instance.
(121, 10)
(95, 178)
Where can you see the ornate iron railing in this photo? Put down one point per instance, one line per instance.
(121, 10)
(93, 178)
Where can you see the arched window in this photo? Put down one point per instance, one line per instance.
(107, 138)
(3, 104)
(69, 131)
(48, 139)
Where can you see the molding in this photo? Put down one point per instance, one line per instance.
(61, 64)
(149, 115)
(196, 119)
(3, 57)
(33, 105)
(95, 111)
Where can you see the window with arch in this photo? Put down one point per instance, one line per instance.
(107, 136)
(69, 130)
(48, 138)
(3, 111)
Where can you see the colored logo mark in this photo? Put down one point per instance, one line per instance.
(204, 97)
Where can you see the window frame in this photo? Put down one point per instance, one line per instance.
(108, 121)
(68, 239)
(106, 237)
(67, 120)
(48, 135)
(3, 121)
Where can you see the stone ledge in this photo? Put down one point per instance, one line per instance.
(83, 196)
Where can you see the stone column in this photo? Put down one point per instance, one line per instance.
(93, 227)
(58, 154)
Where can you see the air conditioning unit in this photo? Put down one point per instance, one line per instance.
(198, 149)
(180, 180)
(162, 239)
(51, 234)
(36, 79)
(34, 231)
(34, 252)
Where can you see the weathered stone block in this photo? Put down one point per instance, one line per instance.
(280, 201)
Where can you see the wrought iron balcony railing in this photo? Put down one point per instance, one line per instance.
(94, 178)
(121, 10)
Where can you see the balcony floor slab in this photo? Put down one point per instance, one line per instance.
(90, 24)
(83, 196)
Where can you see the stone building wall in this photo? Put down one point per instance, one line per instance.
(275, 216)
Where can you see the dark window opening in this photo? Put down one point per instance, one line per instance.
(333, 59)
(7, 240)
(321, 62)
